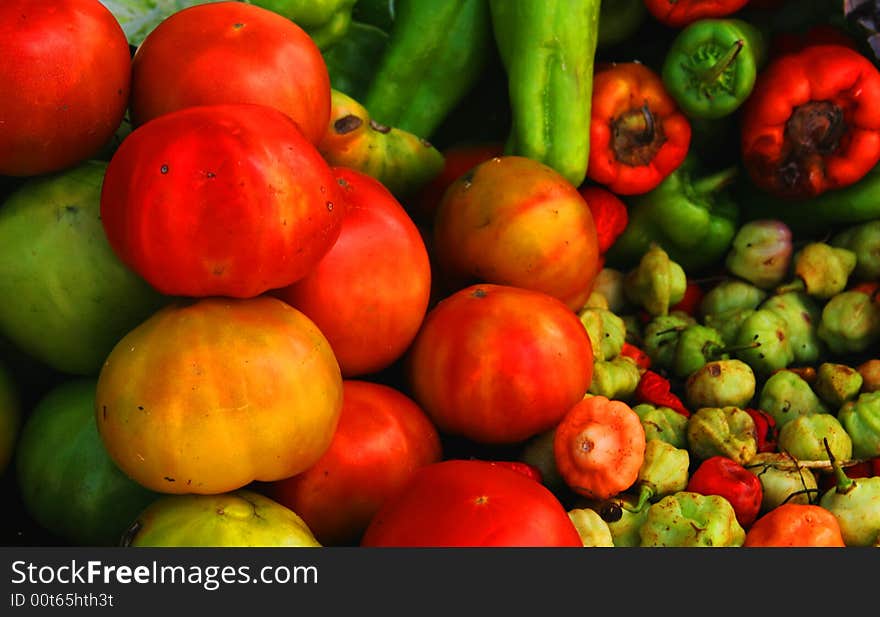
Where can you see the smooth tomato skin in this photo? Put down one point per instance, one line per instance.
(370, 292)
(66, 75)
(514, 221)
(498, 364)
(469, 503)
(231, 52)
(382, 438)
(207, 396)
(220, 200)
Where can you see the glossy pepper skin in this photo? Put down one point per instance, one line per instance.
(712, 65)
(428, 42)
(680, 13)
(719, 475)
(812, 122)
(548, 49)
(855, 503)
(690, 215)
(637, 133)
(691, 519)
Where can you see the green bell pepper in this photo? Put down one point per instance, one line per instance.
(692, 217)
(548, 48)
(711, 67)
(436, 52)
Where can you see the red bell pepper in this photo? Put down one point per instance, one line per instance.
(812, 122)
(638, 135)
(680, 13)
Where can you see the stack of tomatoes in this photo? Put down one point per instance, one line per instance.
(275, 325)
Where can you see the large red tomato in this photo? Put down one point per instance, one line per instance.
(65, 70)
(370, 292)
(467, 503)
(382, 438)
(231, 52)
(499, 364)
(225, 200)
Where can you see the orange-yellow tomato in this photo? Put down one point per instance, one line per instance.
(514, 221)
(208, 396)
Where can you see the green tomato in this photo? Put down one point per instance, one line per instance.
(68, 297)
(68, 482)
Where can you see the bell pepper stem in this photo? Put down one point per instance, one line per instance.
(711, 74)
(715, 182)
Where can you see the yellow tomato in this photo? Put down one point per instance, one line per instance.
(208, 396)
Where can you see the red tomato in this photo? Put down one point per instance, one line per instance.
(382, 438)
(220, 200)
(231, 52)
(466, 503)
(499, 364)
(371, 319)
(65, 70)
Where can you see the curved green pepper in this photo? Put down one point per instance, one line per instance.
(548, 48)
(352, 61)
(711, 67)
(693, 218)
(436, 52)
(326, 21)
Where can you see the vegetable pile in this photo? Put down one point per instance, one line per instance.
(450, 273)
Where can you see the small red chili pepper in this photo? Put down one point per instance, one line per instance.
(642, 360)
(766, 430)
(526, 469)
(693, 295)
(868, 287)
(812, 122)
(679, 13)
(638, 135)
(656, 390)
(720, 475)
(609, 214)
